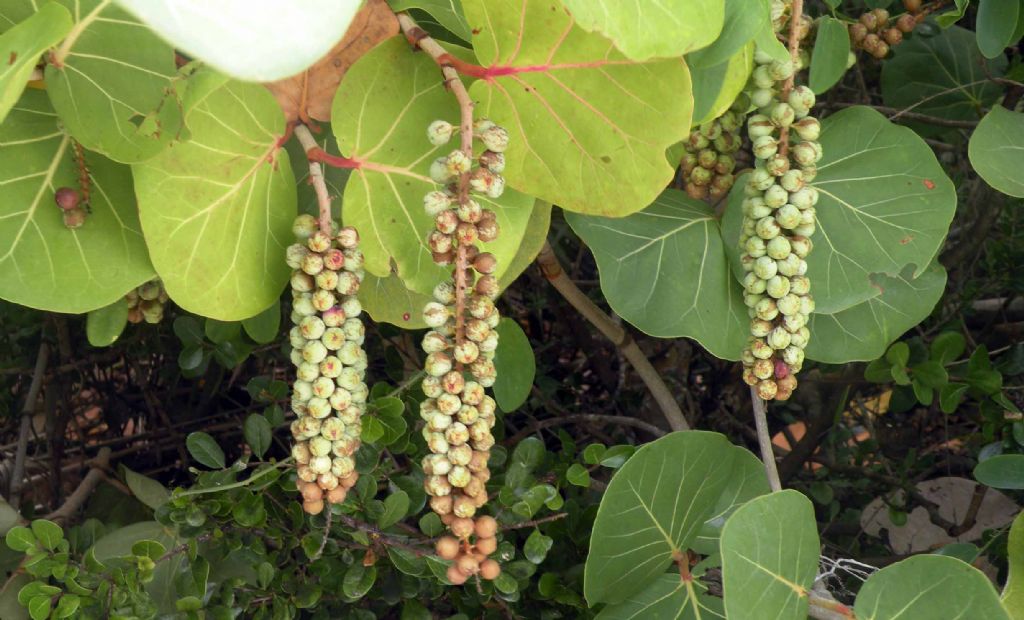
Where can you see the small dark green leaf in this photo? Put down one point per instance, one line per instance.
(263, 327)
(1005, 471)
(406, 561)
(188, 603)
(592, 454)
(947, 347)
(204, 449)
(995, 25)
(930, 373)
(396, 506)
(358, 580)
(831, 52)
(20, 538)
(430, 524)
(104, 325)
(578, 475)
(190, 358)
(258, 434)
(67, 606)
(537, 547)
(616, 456)
(48, 533)
(220, 332)
(950, 396)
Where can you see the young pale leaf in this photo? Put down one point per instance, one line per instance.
(664, 270)
(770, 557)
(668, 596)
(743, 20)
(104, 325)
(117, 89)
(942, 76)
(653, 508)
(831, 52)
(589, 127)
(515, 364)
(652, 30)
(1003, 471)
(217, 210)
(22, 46)
(996, 25)
(996, 150)
(46, 265)
(863, 331)
(204, 449)
(928, 586)
(716, 87)
(384, 193)
(258, 42)
(1013, 591)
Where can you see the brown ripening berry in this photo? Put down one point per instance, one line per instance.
(74, 217)
(314, 507)
(697, 192)
(447, 548)
(443, 258)
(486, 546)
(871, 43)
(882, 16)
(337, 495)
(490, 570)
(446, 221)
(67, 198)
(857, 32)
(135, 315)
(456, 576)
(912, 5)
(870, 21)
(467, 565)
(881, 51)
(487, 286)
(485, 263)
(310, 491)
(892, 36)
(906, 23)
(486, 527)
(462, 527)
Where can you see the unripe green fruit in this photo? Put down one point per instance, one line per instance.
(755, 209)
(776, 165)
(314, 352)
(323, 387)
(761, 78)
(799, 285)
(806, 305)
(763, 369)
(789, 216)
(807, 128)
(765, 147)
(323, 300)
(304, 226)
(762, 97)
(801, 97)
(760, 349)
(778, 339)
(351, 307)
(783, 115)
(788, 304)
(434, 314)
(438, 364)
(457, 163)
(436, 202)
(495, 138)
(789, 266)
(778, 286)
(311, 327)
(340, 399)
(767, 228)
(348, 353)
(319, 408)
(440, 132)
(343, 465)
(354, 260)
(302, 282)
(803, 153)
(792, 323)
(778, 248)
(767, 389)
(439, 170)
(780, 70)
(320, 464)
(752, 284)
(792, 181)
(794, 356)
(804, 230)
(330, 367)
(760, 179)
(810, 172)
(760, 328)
(495, 162)
(319, 446)
(804, 198)
(766, 309)
(700, 176)
(775, 196)
(437, 486)
(765, 268)
(759, 125)
(468, 414)
(755, 247)
(302, 390)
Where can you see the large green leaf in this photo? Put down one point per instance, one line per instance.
(746, 482)
(744, 19)
(381, 113)
(652, 30)
(653, 508)
(716, 87)
(668, 596)
(589, 127)
(256, 41)
(217, 210)
(104, 325)
(665, 270)
(117, 90)
(936, 587)
(46, 265)
(770, 557)
(864, 331)
(942, 75)
(885, 203)
(23, 44)
(1013, 591)
(996, 25)
(997, 150)
(831, 51)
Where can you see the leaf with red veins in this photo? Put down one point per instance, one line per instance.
(588, 126)
(380, 118)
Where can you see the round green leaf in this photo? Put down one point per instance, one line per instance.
(668, 596)
(263, 327)
(588, 126)
(1004, 471)
(48, 533)
(23, 44)
(578, 475)
(258, 434)
(204, 449)
(654, 506)
(515, 365)
(831, 52)
(47, 266)
(387, 141)
(997, 150)
(995, 25)
(863, 331)
(665, 271)
(948, 63)
(743, 20)
(118, 89)
(217, 210)
(770, 557)
(657, 29)
(716, 87)
(259, 42)
(20, 538)
(104, 325)
(937, 587)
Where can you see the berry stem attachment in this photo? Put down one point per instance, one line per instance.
(316, 177)
(795, 19)
(764, 440)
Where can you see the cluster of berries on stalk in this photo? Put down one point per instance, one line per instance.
(329, 394)
(778, 221)
(709, 161)
(460, 349)
(875, 34)
(146, 302)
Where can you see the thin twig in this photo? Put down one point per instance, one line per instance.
(26, 424)
(914, 116)
(316, 177)
(764, 440)
(584, 418)
(552, 270)
(536, 522)
(327, 534)
(81, 494)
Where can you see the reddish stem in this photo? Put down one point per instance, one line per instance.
(317, 154)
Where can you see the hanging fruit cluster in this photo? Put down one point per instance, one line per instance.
(875, 34)
(460, 350)
(709, 160)
(146, 302)
(778, 221)
(329, 394)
